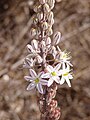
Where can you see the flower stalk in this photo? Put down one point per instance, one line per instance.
(47, 64)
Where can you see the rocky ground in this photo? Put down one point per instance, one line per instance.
(72, 18)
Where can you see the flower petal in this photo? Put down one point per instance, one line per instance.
(28, 78)
(57, 79)
(50, 82)
(62, 81)
(46, 75)
(40, 89)
(68, 67)
(70, 76)
(40, 74)
(68, 81)
(43, 82)
(31, 86)
(33, 73)
(50, 68)
(63, 66)
(59, 73)
(57, 67)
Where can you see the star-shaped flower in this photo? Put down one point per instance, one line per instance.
(65, 75)
(64, 57)
(36, 81)
(53, 74)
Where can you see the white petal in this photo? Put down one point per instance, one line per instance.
(62, 81)
(70, 76)
(59, 73)
(68, 67)
(57, 67)
(50, 68)
(40, 89)
(40, 74)
(28, 78)
(68, 62)
(57, 79)
(43, 82)
(63, 66)
(50, 82)
(31, 86)
(68, 82)
(33, 73)
(46, 75)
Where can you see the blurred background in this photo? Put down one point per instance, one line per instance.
(72, 19)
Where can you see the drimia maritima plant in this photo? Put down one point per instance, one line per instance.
(48, 66)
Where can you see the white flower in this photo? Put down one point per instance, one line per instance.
(63, 56)
(65, 75)
(53, 74)
(36, 81)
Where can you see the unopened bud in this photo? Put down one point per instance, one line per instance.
(42, 1)
(51, 3)
(46, 8)
(57, 114)
(56, 38)
(40, 16)
(33, 32)
(38, 31)
(50, 18)
(39, 59)
(29, 48)
(37, 8)
(28, 63)
(34, 44)
(50, 15)
(48, 42)
(49, 32)
(35, 20)
(43, 45)
(44, 25)
(53, 51)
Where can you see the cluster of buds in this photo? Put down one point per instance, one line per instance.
(47, 64)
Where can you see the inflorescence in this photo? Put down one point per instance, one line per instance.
(48, 66)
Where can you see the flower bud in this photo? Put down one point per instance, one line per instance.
(28, 63)
(29, 48)
(38, 32)
(44, 25)
(42, 1)
(35, 20)
(51, 3)
(49, 98)
(33, 32)
(48, 42)
(57, 114)
(39, 59)
(43, 45)
(49, 32)
(46, 8)
(56, 38)
(34, 44)
(53, 51)
(37, 8)
(50, 18)
(40, 16)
